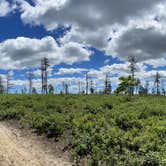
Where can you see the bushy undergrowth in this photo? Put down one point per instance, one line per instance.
(105, 130)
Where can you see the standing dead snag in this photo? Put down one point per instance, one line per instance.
(30, 76)
(34, 91)
(87, 82)
(79, 87)
(1, 86)
(132, 65)
(163, 88)
(92, 89)
(133, 69)
(51, 89)
(157, 84)
(44, 74)
(108, 86)
(24, 89)
(9, 85)
(66, 88)
(147, 87)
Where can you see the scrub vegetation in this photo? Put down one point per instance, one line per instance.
(102, 129)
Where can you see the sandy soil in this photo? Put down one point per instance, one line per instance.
(23, 148)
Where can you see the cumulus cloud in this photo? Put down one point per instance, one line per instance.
(155, 63)
(141, 43)
(121, 28)
(26, 52)
(6, 8)
(37, 73)
(63, 71)
(87, 14)
(122, 69)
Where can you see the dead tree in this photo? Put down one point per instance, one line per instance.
(24, 90)
(92, 87)
(30, 76)
(34, 91)
(147, 87)
(108, 86)
(1, 86)
(63, 88)
(133, 69)
(157, 83)
(66, 89)
(51, 89)
(9, 85)
(163, 88)
(44, 74)
(79, 87)
(132, 65)
(87, 83)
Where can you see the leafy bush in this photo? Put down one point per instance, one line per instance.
(105, 129)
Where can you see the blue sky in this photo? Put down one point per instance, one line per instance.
(99, 40)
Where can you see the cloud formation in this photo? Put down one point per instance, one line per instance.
(23, 52)
(86, 14)
(121, 28)
(143, 44)
(134, 27)
(70, 71)
(5, 8)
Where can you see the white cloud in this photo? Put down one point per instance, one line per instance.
(98, 77)
(37, 73)
(6, 8)
(155, 63)
(121, 28)
(143, 44)
(51, 13)
(63, 71)
(25, 52)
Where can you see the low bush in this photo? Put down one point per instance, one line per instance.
(105, 129)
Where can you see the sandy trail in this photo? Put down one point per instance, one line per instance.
(21, 148)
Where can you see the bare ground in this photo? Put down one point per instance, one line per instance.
(20, 147)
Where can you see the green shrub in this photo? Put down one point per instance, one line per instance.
(104, 129)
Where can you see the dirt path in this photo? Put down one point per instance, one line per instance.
(21, 148)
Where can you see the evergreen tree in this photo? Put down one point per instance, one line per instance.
(126, 85)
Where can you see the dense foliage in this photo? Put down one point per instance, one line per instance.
(104, 129)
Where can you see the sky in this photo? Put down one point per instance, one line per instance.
(79, 36)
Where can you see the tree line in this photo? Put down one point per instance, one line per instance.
(128, 85)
